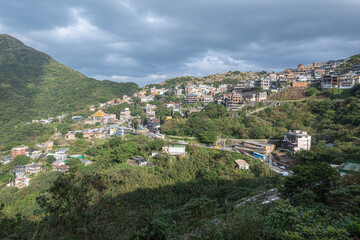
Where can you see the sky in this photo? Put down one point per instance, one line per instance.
(148, 41)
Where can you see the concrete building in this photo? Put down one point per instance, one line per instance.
(21, 182)
(297, 140)
(242, 164)
(33, 168)
(261, 147)
(147, 98)
(348, 167)
(19, 151)
(175, 150)
(191, 99)
(125, 115)
(122, 130)
(153, 124)
(263, 83)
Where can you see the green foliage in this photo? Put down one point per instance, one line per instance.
(208, 137)
(319, 178)
(312, 91)
(50, 160)
(124, 151)
(30, 83)
(68, 205)
(285, 221)
(199, 208)
(79, 135)
(21, 160)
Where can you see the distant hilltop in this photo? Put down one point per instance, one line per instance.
(302, 73)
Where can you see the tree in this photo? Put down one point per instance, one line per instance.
(285, 221)
(21, 160)
(79, 135)
(50, 160)
(208, 137)
(71, 199)
(124, 151)
(319, 178)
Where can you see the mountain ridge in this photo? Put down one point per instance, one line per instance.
(34, 85)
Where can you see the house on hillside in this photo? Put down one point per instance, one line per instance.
(19, 172)
(297, 140)
(77, 118)
(61, 151)
(33, 168)
(18, 151)
(175, 150)
(242, 164)
(61, 168)
(125, 115)
(153, 124)
(138, 160)
(86, 162)
(6, 159)
(21, 182)
(348, 167)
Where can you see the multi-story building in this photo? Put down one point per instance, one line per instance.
(261, 147)
(356, 68)
(249, 96)
(33, 168)
(122, 130)
(125, 115)
(263, 83)
(153, 124)
(207, 99)
(191, 99)
(19, 151)
(147, 98)
(150, 109)
(338, 80)
(297, 140)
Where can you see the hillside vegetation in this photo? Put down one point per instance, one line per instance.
(33, 85)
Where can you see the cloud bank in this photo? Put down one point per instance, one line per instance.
(147, 41)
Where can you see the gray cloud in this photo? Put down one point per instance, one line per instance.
(151, 40)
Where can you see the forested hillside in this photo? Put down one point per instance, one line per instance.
(33, 85)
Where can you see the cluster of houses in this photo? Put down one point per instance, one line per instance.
(324, 73)
(99, 133)
(102, 118)
(247, 89)
(48, 120)
(22, 172)
(172, 150)
(153, 123)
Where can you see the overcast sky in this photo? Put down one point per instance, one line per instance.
(148, 41)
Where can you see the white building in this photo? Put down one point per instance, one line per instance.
(125, 115)
(147, 98)
(21, 182)
(297, 140)
(175, 150)
(242, 164)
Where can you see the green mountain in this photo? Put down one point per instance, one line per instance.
(32, 84)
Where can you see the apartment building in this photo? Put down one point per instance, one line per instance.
(297, 140)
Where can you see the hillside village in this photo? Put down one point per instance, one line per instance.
(190, 98)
